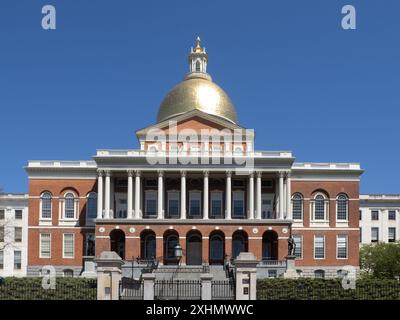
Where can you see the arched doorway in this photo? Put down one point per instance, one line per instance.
(194, 248)
(148, 244)
(240, 243)
(217, 247)
(270, 245)
(117, 241)
(171, 239)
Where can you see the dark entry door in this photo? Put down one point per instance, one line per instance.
(194, 250)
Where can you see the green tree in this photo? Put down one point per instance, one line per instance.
(381, 260)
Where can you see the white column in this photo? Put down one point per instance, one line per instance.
(251, 196)
(107, 196)
(284, 198)
(281, 197)
(205, 196)
(100, 195)
(228, 204)
(183, 194)
(259, 196)
(160, 195)
(137, 194)
(288, 196)
(130, 195)
(112, 198)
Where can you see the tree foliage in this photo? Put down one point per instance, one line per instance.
(380, 260)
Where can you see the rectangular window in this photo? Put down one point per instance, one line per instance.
(173, 204)
(272, 273)
(68, 245)
(2, 214)
(1, 259)
(319, 247)
(18, 214)
(45, 245)
(374, 215)
(298, 240)
(392, 235)
(360, 238)
(341, 246)
(360, 213)
(374, 234)
(392, 215)
(17, 260)
(195, 203)
(238, 204)
(151, 203)
(1, 233)
(216, 204)
(18, 234)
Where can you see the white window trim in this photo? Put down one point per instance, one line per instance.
(176, 196)
(40, 245)
(302, 208)
(191, 193)
(73, 246)
(342, 222)
(42, 220)
(325, 221)
(337, 246)
(63, 218)
(315, 236)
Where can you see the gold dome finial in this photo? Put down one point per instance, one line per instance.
(198, 47)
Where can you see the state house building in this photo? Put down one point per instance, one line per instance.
(142, 203)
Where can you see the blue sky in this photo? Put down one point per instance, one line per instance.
(295, 76)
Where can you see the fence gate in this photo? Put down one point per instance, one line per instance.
(223, 289)
(177, 290)
(130, 289)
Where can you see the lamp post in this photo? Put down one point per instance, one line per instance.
(178, 252)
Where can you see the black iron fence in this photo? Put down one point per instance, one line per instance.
(130, 289)
(177, 290)
(32, 289)
(223, 289)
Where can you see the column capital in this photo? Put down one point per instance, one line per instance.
(138, 173)
(229, 173)
(251, 174)
(107, 173)
(160, 173)
(288, 173)
(259, 174)
(100, 172)
(281, 174)
(206, 173)
(183, 173)
(129, 172)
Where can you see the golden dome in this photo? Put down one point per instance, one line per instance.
(197, 91)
